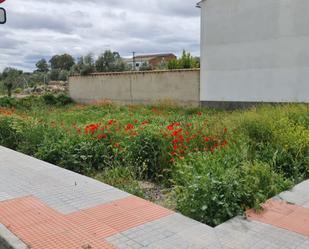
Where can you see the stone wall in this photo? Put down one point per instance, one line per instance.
(179, 86)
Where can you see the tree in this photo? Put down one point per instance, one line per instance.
(42, 66)
(145, 67)
(162, 65)
(85, 65)
(173, 64)
(11, 78)
(110, 62)
(62, 62)
(54, 74)
(63, 75)
(186, 61)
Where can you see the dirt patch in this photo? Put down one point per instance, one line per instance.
(157, 194)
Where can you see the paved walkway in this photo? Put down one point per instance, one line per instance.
(43, 206)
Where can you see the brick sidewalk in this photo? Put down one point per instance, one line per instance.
(43, 206)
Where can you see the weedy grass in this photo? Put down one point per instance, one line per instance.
(214, 164)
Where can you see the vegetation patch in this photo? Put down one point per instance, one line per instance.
(209, 165)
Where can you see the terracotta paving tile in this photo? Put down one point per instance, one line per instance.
(28, 218)
(69, 241)
(19, 205)
(281, 214)
(130, 203)
(150, 212)
(103, 211)
(297, 221)
(40, 226)
(93, 226)
(124, 221)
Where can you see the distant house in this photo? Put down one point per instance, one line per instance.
(254, 51)
(152, 60)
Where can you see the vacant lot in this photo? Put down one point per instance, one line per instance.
(209, 165)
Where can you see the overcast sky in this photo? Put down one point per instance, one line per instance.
(41, 28)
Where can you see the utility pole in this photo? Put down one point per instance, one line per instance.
(134, 63)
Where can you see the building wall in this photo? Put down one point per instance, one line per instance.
(255, 50)
(181, 86)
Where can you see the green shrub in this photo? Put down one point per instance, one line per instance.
(279, 142)
(8, 135)
(300, 118)
(147, 155)
(261, 182)
(215, 187)
(57, 100)
(49, 99)
(77, 154)
(63, 100)
(51, 150)
(33, 134)
(29, 103)
(206, 190)
(7, 102)
(18, 90)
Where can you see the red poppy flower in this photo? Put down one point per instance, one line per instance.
(206, 139)
(102, 136)
(175, 141)
(129, 127)
(225, 142)
(170, 127)
(92, 128)
(181, 139)
(175, 133)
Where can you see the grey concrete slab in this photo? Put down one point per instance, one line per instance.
(242, 233)
(299, 195)
(59, 188)
(304, 245)
(174, 231)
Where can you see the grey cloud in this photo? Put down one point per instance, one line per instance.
(38, 29)
(8, 42)
(34, 20)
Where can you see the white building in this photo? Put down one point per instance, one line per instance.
(254, 51)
